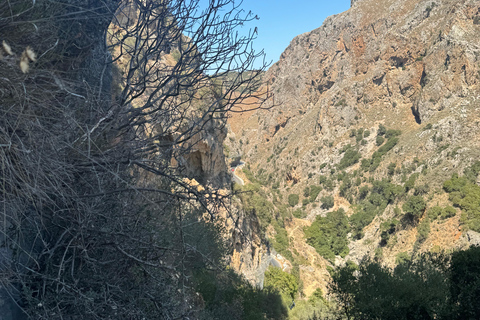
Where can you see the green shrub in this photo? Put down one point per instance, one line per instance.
(350, 157)
(317, 295)
(359, 135)
(471, 173)
(314, 191)
(284, 282)
(434, 212)
(388, 190)
(329, 184)
(402, 258)
(306, 191)
(322, 179)
(255, 202)
(360, 219)
(423, 230)
(373, 163)
(466, 195)
(391, 168)
(414, 207)
(281, 242)
(378, 254)
(328, 235)
(455, 184)
(293, 199)
(363, 192)
(358, 181)
(387, 228)
(410, 183)
(431, 286)
(249, 175)
(222, 290)
(381, 130)
(299, 213)
(465, 283)
(448, 212)
(392, 133)
(421, 190)
(327, 202)
(392, 142)
(379, 140)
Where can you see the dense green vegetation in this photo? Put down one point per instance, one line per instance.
(465, 194)
(293, 199)
(423, 230)
(255, 202)
(281, 242)
(328, 235)
(372, 202)
(379, 140)
(427, 287)
(414, 207)
(312, 192)
(442, 213)
(284, 282)
(327, 202)
(350, 157)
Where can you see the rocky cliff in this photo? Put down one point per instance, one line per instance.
(412, 66)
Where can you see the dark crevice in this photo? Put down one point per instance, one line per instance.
(416, 115)
(398, 62)
(378, 81)
(324, 87)
(280, 125)
(447, 61)
(423, 79)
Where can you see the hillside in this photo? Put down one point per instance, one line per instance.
(372, 113)
(149, 171)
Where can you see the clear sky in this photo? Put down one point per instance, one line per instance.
(282, 20)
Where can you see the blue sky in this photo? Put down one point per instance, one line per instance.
(282, 20)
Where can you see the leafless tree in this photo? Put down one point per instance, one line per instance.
(105, 196)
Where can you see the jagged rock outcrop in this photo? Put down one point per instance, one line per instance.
(420, 54)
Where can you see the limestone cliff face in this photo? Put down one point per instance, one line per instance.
(206, 160)
(421, 55)
(412, 65)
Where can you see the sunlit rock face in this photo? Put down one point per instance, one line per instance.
(410, 65)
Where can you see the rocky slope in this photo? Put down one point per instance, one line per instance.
(410, 65)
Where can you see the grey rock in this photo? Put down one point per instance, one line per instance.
(473, 238)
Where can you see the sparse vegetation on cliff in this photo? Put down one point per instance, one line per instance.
(465, 194)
